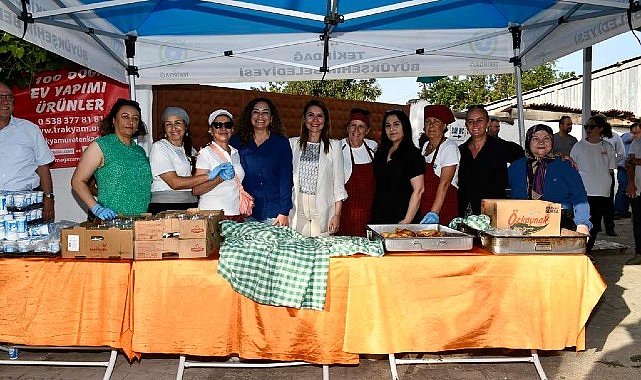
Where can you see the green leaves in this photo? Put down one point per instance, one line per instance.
(349, 89)
(21, 60)
(460, 91)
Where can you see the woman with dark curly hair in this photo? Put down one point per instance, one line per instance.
(120, 166)
(266, 156)
(399, 169)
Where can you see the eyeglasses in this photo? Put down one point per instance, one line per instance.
(220, 124)
(359, 110)
(7, 97)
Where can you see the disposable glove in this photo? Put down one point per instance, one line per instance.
(227, 173)
(103, 213)
(430, 218)
(213, 173)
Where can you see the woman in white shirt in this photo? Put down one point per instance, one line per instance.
(358, 157)
(171, 165)
(442, 156)
(319, 185)
(223, 192)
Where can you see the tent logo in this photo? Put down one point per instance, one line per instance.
(485, 46)
(172, 53)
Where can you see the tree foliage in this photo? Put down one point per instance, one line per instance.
(459, 92)
(349, 89)
(21, 60)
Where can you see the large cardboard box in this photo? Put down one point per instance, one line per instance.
(172, 247)
(184, 225)
(82, 241)
(533, 217)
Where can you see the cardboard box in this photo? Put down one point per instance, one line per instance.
(178, 224)
(537, 218)
(176, 248)
(90, 243)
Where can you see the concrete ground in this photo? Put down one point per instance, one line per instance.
(613, 345)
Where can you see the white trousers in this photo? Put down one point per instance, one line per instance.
(307, 219)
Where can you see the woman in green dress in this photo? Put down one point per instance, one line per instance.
(120, 166)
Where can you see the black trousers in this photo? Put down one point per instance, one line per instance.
(608, 211)
(597, 207)
(636, 223)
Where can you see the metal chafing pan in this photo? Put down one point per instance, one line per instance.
(570, 242)
(453, 241)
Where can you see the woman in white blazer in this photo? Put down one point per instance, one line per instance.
(319, 179)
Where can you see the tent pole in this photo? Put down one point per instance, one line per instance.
(516, 60)
(586, 104)
(132, 70)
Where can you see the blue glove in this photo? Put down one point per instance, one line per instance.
(430, 218)
(103, 213)
(227, 173)
(213, 173)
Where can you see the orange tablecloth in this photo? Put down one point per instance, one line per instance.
(374, 305)
(184, 307)
(437, 303)
(46, 302)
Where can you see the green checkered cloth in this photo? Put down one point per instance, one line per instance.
(276, 265)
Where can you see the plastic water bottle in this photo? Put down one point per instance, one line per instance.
(13, 353)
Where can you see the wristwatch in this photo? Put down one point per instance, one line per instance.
(48, 195)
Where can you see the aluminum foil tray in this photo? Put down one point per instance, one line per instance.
(453, 241)
(570, 242)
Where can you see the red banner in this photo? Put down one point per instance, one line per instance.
(68, 106)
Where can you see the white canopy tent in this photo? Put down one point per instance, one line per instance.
(152, 42)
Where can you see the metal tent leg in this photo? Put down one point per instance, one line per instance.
(325, 372)
(392, 366)
(181, 368)
(533, 358)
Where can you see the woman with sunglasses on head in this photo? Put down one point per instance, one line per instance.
(543, 174)
(171, 165)
(266, 157)
(440, 199)
(120, 166)
(220, 162)
(399, 170)
(595, 159)
(319, 185)
(358, 157)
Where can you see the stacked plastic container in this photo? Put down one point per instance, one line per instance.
(21, 224)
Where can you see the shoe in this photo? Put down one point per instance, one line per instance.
(611, 233)
(635, 260)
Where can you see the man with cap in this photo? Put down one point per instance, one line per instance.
(440, 199)
(24, 154)
(170, 159)
(358, 154)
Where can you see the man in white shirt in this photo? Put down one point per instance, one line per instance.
(24, 154)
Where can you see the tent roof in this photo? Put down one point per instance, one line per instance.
(203, 41)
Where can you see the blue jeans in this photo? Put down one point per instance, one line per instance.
(621, 199)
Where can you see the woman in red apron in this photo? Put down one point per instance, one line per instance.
(358, 153)
(439, 201)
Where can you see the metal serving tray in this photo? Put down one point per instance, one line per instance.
(454, 241)
(570, 242)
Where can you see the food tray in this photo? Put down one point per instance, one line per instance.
(570, 242)
(454, 241)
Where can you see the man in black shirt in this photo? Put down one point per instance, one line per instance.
(483, 165)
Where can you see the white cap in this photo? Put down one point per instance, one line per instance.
(217, 113)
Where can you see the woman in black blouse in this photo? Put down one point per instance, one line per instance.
(398, 169)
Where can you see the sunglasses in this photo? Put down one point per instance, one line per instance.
(590, 127)
(394, 110)
(220, 124)
(359, 110)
